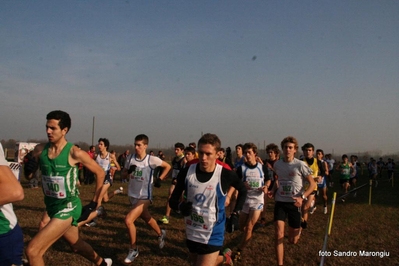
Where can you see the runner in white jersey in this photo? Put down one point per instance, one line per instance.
(103, 159)
(11, 237)
(289, 195)
(205, 185)
(255, 177)
(139, 168)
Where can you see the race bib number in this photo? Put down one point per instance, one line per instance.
(54, 186)
(137, 175)
(286, 189)
(253, 183)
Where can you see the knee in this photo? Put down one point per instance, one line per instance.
(128, 221)
(78, 247)
(30, 251)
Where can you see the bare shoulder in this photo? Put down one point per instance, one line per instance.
(78, 155)
(38, 150)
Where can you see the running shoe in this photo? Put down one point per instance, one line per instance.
(164, 220)
(161, 239)
(343, 200)
(325, 210)
(118, 191)
(91, 224)
(101, 213)
(133, 253)
(227, 257)
(312, 210)
(108, 261)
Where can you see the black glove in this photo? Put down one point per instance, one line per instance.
(232, 223)
(30, 164)
(157, 182)
(186, 208)
(132, 168)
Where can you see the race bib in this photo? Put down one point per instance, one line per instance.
(54, 186)
(286, 189)
(253, 183)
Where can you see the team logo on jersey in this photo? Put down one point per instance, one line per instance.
(200, 198)
(210, 187)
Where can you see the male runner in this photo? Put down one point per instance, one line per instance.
(58, 161)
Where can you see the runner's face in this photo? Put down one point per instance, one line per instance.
(250, 156)
(189, 156)
(319, 155)
(308, 152)
(272, 155)
(139, 147)
(289, 150)
(101, 146)
(54, 132)
(239, 151)
(178, 151)
(207, 157)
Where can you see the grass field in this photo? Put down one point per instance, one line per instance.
(357, 226)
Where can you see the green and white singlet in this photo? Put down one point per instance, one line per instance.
(59, 180)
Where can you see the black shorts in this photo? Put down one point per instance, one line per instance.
(282, 210)
(201, 249)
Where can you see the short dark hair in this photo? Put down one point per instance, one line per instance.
(344, 156)
(320, 150)
(307, 146)
(211, 139)
(192, 144)
(106, 142)
(63, 117)
(142, 137)
(250, 145)
(273, 147)
(239, 145)
(189, 149)
(179, 145)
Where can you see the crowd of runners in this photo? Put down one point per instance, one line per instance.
(214, 192)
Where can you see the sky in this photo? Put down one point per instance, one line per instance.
(325, 72)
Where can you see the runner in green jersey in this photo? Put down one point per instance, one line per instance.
(57, 160)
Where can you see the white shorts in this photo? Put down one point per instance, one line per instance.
(252, 206)
(134, 201)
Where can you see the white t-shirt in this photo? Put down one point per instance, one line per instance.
(291, 179)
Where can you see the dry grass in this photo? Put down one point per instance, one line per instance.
(357, 226)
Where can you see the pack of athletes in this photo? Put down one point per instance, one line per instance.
(59, 180)
(141, 179)
(255, 178)
(105, 164)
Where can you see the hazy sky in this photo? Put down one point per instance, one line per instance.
(326, 72)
